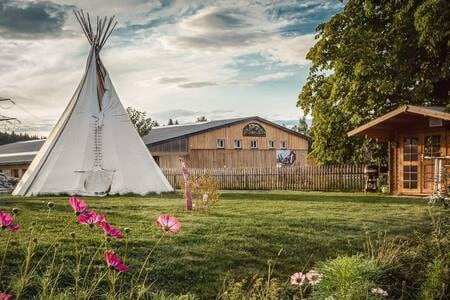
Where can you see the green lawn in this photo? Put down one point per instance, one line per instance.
(238, 236)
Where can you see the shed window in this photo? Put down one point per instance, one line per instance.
(254, 144)
(283, 144)
(237, 144)
(271, 144)
(410, 177)
(220, 143)
(433, 145)
(410, 149)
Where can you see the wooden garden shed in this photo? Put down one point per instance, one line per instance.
(417, 136)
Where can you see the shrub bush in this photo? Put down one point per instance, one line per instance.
(347, 278)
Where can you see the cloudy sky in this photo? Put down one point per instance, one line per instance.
(172, 58)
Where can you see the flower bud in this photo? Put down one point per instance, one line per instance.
(35, 240)
(127, 230)
(50, 204)
(15, 210)
(72, 234)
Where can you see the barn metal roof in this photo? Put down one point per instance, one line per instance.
(19, 152)
(165, 133)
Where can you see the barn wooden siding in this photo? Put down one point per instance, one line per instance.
(304, 178)
(208, 140)
(201, 150)
(227, 158)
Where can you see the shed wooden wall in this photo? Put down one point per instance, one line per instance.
(419, 130)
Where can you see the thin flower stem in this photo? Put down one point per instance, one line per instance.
(92, 289)
(92, 261)
(29, 253)
(126, 250)
(148, 256)
(56, 280)
(134, 282)
(24, 276)
(77, 270)
(4, 254)
(112, 276)
(48, 213)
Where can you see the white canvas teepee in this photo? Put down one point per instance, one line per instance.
(93, 148)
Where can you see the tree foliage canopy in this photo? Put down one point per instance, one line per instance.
(141, 122)
(369, 59)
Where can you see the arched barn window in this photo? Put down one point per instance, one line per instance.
(254, 129)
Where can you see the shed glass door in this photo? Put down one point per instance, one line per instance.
(432, 148)
(410, 165)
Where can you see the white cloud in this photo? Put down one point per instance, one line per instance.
(273, 76)
(187, 63)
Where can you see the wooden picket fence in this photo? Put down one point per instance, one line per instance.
(304, 178)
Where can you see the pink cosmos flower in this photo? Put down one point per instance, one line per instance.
(4, 296)
(7, 222)
(91, 218)
(111, 231)
(379, 291)
(314, 277)
(78, 205)
(114, 262)
(298, 278)
(168, 223)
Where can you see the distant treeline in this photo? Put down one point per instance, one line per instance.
(11, 137)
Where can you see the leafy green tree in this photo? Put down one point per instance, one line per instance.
(302, 126)
(141, 122)
(170, 122)
(369, 59)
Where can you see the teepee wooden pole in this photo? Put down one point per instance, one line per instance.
(82, 26)
(106, 35)
(112, 29)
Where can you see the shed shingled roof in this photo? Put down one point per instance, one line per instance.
(438, 112)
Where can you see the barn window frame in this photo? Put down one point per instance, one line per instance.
(271, 144)
(220, 143)
(237, 144)
(283, 145)
(254, 144)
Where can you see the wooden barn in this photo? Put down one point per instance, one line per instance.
(240, 142)
(418, 138)
(233, 143)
